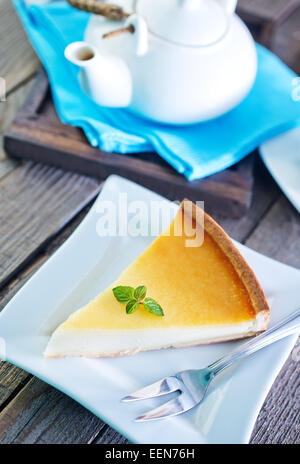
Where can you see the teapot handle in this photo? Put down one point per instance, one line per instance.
(229, 5)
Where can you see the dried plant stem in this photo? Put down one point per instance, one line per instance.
(117, 32)
(113, 12)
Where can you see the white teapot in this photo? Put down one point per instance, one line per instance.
(186, 61)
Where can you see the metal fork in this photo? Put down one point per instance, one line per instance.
(193, 383)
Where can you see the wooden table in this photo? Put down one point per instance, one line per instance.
(40, 207)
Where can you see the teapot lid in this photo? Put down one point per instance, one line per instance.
(194, 23)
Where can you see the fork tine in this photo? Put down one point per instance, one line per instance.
(171, 408)
(162, 387)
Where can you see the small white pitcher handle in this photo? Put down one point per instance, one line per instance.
(140, 33)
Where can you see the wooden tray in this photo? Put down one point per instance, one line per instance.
(264, 17)
(37, 134)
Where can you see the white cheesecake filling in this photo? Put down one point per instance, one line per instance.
(96, 342)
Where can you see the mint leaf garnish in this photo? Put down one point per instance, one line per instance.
(132, 306)
(133, 298)
(140, 292)
(123, 294)
(153, 307)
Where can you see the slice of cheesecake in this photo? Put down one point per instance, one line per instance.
(208, 294)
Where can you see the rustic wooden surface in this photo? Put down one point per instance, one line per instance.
(33, 412)
(17, 59)
(37, 134)
(275, 24)
(55, 197)
(265, 11)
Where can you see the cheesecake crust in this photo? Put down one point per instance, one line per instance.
(242, 268)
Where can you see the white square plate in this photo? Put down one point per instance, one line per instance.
(281, 155)
(81, 268)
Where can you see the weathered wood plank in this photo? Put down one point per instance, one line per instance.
(275, 24)
(14, 101)
(35, 203)
(41, 414)
(68, 422)
(110, 436)
(11, 377)
(8, 109)
(11, 380)
(265, 193)
(17, 59)
(6, 164)
(286, 42)
(279, 419)
(77, 192)
(267, 10)
(277, 236)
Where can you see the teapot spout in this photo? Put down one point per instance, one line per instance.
(105, 78)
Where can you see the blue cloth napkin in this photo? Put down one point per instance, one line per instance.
(195, 151)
